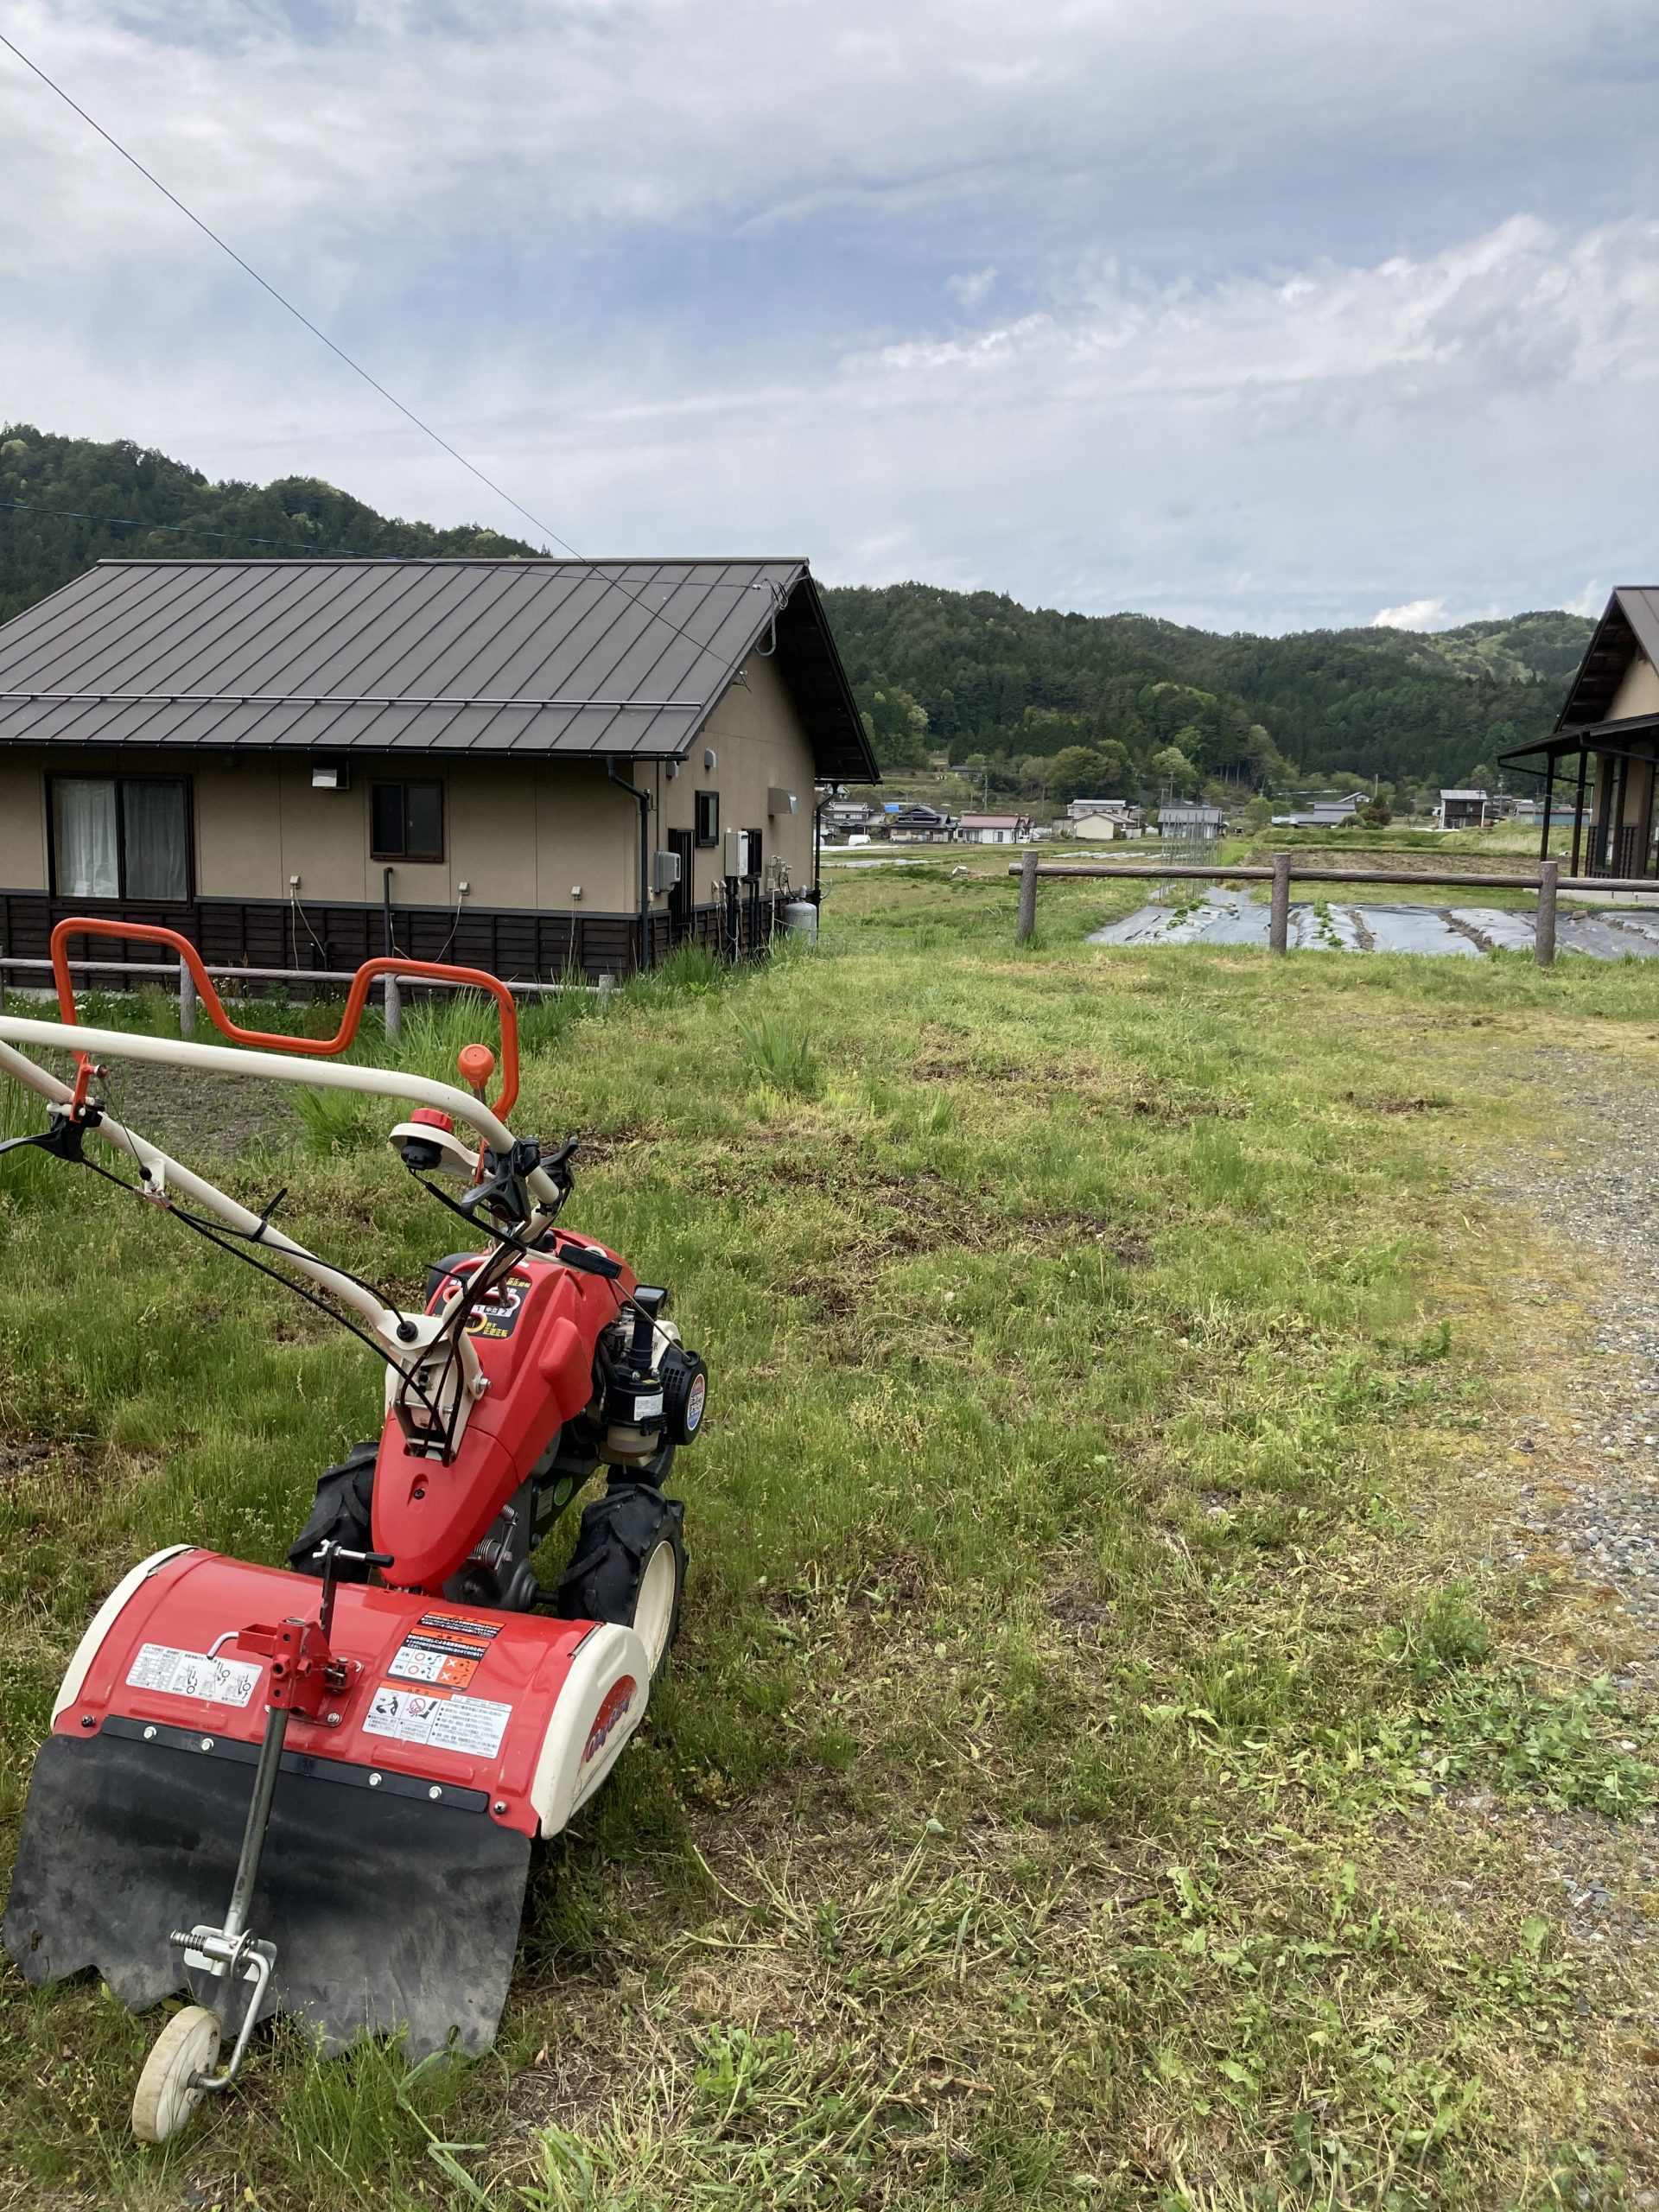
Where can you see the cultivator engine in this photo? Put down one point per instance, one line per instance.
(318, 1793)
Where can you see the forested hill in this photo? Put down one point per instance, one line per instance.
(1133, 701)
(977, 673)
(66, 503)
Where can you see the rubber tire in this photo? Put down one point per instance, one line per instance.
(343, 1512)
(163, 2101)
(615, 1540)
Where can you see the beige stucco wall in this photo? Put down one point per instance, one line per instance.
(23, 824)
(549, 835)
(1638, 692)
(759, 744)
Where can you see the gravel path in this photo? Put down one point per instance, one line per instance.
(1590, 1516)
(1603, 1200)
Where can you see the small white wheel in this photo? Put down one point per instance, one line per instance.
(653, 1610)
(167, 2093)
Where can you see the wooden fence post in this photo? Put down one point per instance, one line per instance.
(186, 1001)
(394, 1008)
(1279, 911)
(1028, 896)
(1548, 876)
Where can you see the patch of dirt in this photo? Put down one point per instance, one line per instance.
(1082, 1610)
(1405, 1104)
(1126, 1246)
(19, 1460)
(194, 1115)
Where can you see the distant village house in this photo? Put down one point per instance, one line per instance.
(1324, 814)
(994, 829)
(1463, 810)
(1104, 818)
(921, 825)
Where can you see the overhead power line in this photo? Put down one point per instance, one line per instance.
(338, 351)
(265, 285)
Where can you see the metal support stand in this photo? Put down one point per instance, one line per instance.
(1028, 896)
(229, 1954)
(394, 1007)
(188, 1002)
(1279, 911)
(1548, 876)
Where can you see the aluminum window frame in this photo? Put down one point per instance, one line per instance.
(404, 784)
(53, 777)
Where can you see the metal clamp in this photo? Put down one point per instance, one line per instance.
(226, 1957)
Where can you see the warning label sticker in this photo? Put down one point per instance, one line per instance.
(451, 1659)
(441, 1718)
(193, 1674)
(456, 1624)
(444, 1647)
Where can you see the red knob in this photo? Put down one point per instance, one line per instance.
(477, 1065)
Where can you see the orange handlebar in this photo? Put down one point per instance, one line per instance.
(317, 1048)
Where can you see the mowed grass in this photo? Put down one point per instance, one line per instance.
(1056, 1797)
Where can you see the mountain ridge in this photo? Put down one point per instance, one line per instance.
(1132, 700)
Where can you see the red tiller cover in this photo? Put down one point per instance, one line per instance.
(455, 1695)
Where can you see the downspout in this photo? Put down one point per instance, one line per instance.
(624, 783)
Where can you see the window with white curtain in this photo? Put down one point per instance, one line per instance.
(121, 837)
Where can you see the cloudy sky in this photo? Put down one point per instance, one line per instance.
(1259, 313)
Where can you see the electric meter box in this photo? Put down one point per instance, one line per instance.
(664, 871)
(737, 853)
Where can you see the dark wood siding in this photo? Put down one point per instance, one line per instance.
(518, 945)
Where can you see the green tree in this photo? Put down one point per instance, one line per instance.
(1171, 765)
(1076, 771)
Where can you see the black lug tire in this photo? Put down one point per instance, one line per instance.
(615, 1538)
(342, 1513)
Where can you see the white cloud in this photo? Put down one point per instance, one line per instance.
(971, 288)
(1415, 615)
(1205, 310)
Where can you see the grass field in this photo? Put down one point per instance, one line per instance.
(1060, 1794)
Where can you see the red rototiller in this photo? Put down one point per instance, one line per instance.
(320, 1797)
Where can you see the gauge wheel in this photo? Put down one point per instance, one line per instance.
(629, 1566)
(169, 2088)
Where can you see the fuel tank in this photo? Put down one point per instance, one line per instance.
(535, 1337)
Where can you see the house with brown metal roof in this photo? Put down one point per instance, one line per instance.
(1602, 751)
(524, 765)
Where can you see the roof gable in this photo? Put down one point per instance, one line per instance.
(587, 658)
(1629, 625)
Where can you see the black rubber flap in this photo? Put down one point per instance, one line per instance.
(389, 1913)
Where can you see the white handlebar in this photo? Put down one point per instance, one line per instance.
(170, 1177)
